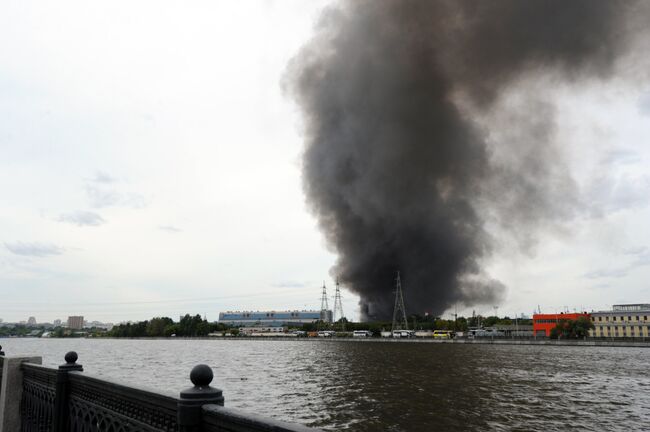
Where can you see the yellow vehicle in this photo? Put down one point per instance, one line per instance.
(443, 334)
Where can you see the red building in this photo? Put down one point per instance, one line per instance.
(544, 323)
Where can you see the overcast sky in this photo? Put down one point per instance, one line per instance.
(150, 165)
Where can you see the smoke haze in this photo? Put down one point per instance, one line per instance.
(397, 167)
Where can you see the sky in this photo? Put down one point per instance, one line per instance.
(150, 165)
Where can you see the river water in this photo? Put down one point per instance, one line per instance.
(376, 386)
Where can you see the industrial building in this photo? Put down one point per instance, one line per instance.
(510, 330)
(626, 320)
(544, 323)
(272, 318)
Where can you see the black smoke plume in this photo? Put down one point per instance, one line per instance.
(397, 168)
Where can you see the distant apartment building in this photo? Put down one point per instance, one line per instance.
(623, 321)
(544, 323)
(56, 323)
(75, 322)
(271, 318)
(31, 321)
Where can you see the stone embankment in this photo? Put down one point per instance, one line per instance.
(481, 341)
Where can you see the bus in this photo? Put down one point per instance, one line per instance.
(403, 333)
(443, 334)
(326, 333)
(362, 333)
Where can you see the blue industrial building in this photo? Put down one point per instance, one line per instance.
(272, 318)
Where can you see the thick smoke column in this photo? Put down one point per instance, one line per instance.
(397, 169)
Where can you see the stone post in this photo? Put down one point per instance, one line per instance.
(11, 391)
(60, 415)
(192, 399)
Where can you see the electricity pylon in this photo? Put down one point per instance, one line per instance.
(324, 307)
(338, 306)
(399, 312)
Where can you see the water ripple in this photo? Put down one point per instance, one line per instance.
(389, 386)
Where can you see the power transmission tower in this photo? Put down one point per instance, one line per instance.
(338, 306)
(324, 308)
(399, 312)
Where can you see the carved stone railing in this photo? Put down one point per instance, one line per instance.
(67, 400)
(39, 393)
(219, 419)
(2, 353)
(96, 404)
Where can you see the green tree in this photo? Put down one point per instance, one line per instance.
(490, 321)
(156, 327)
(171, 329)
(572, 329)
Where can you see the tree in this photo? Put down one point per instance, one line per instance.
(490, 321)
(156, 327)
(572, 329)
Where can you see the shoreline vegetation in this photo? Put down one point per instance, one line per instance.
(196, 326)
(189, 326)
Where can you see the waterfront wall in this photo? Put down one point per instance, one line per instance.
(637, 343)
(38, 398)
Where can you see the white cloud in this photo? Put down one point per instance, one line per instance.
(170, 228)
(82, 218)
(102, 177)
(102, 192)
(34, 249)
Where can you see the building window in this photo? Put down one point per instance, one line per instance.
(613, 318)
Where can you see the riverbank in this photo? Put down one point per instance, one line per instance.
(478, 341)
(482, 341)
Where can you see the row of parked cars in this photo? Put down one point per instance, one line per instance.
(436, 334)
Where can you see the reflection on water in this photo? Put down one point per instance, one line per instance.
(372, 386)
